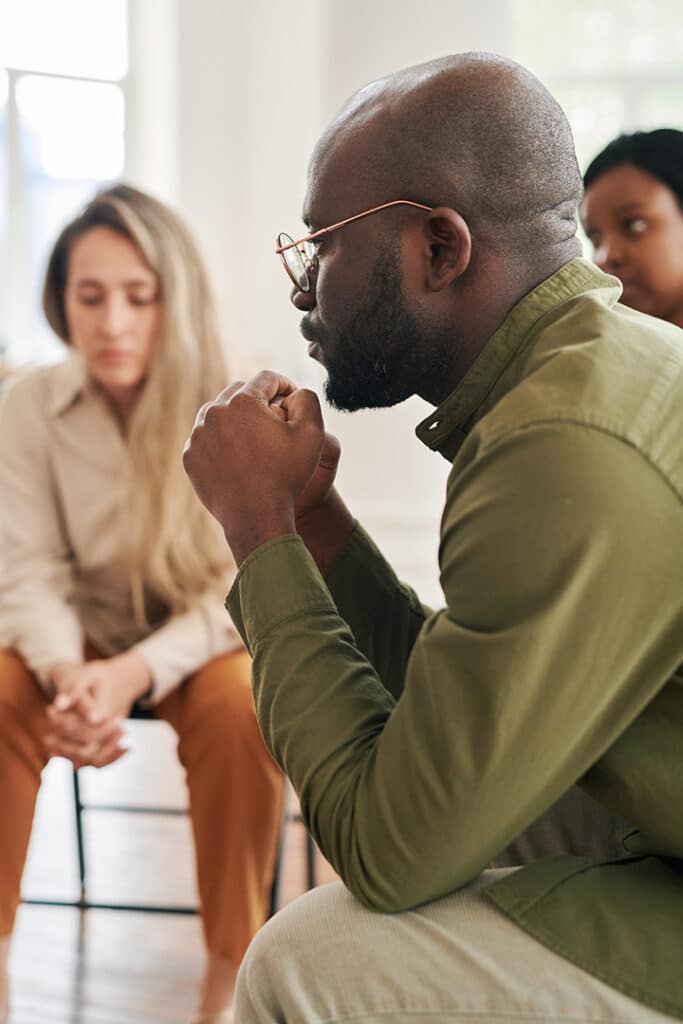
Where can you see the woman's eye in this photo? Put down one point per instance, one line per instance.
(635, 225)
(141, 300)
(88, 300)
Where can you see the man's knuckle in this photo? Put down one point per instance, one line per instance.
(242, 399)
(227, 393)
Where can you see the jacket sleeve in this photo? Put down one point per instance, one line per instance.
(539, 661)
(387, 621)
(37, 619)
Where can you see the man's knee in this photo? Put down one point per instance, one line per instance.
(288, 962)
(312, 921)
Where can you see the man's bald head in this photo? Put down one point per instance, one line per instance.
(472, 131)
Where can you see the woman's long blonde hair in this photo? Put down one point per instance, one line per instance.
(176, 549)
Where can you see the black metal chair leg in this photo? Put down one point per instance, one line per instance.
(84, 903)
(275, 884)
(310, 858)
(310, 861)
(78, 810)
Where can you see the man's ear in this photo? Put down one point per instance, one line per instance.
(450, 245)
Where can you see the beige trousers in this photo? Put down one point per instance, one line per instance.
(235, 792)
(325, 958)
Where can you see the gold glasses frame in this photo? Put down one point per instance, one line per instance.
(300, 276)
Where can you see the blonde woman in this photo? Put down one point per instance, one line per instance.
(113, 576)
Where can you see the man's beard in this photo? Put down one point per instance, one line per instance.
(376, 360)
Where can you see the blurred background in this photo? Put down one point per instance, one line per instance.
(214, 106)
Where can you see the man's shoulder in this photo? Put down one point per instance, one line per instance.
(611, 370)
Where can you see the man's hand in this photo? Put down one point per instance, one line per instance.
(253, 454)
(320, 485)
(323, 521)
(92, 702)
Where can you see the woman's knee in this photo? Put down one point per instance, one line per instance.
(20, 693)
(23, 707)
(223, 683)
(219, 707)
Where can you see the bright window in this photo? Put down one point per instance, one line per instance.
(614, 65)
(62, 78)
(83, 38)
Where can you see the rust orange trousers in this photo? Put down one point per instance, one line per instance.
(235, 792)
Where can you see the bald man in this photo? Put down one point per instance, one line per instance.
(442, 261)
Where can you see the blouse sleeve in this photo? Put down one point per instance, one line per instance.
(37, 618)
(187, 641)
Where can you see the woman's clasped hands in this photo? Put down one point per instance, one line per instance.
(92, 701)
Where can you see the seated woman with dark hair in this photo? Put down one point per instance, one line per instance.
(632, 212)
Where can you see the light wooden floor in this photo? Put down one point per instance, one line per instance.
(111, 967)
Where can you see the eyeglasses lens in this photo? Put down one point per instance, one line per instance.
(293, 260)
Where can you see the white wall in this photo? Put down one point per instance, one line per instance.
(152, 87)
(250, 85)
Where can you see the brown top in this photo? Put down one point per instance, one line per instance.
(63, 478)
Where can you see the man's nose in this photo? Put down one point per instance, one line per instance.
(303, 301)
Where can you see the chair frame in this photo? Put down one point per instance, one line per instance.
(85, 903)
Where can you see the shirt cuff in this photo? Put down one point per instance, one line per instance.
(359, 558)
(276, 582)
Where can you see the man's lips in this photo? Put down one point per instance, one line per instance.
(309, 333)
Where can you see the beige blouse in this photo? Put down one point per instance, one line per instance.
(63, 575)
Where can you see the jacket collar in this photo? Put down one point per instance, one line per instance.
(69, 382)
(446, 428)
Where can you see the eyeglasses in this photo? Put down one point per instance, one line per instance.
(300, 258)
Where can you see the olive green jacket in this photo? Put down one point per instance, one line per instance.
(420, 743)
